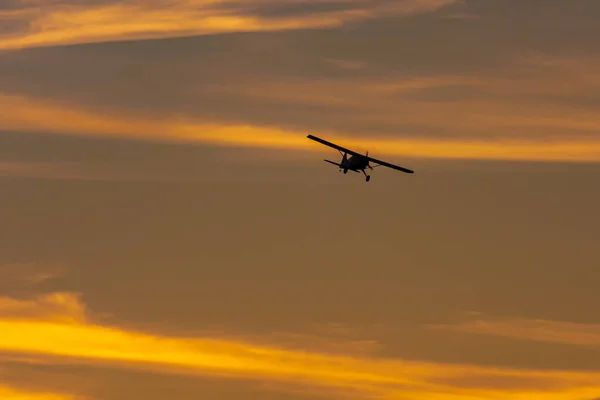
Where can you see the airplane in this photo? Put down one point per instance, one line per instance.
(357, 162)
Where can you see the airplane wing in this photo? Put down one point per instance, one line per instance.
(335, 146)
(392, 166)
(340, 148)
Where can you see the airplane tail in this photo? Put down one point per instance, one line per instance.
(334, 163)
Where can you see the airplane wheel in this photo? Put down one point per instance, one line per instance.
(368, 178)
(345, 171)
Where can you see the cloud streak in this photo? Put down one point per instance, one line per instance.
(28, 273)
(34, 115)
(539, 330)
(64, 22)
(58, 325)
(478, 104)
(13, 393)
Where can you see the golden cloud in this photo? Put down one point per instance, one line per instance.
(34, 115)
(57, 325)
(71, 23)
(531, 329)
(11, 393)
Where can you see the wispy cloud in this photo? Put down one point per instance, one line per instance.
(58, 325)
(539, 330)
(13, 393)
(28, 273)
(26, 114)
(363, 95)
(328, 338)
(454, 105)
(71, 22)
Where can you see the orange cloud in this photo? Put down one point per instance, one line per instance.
(57, 325)
(531, 329)
(64, 23)
(11, 393)
(25, 114)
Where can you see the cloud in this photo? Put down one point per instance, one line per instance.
(364, 95)
(28, 273)
(330, 338)
(29, 390)
(71, 22)
(58, 326)
(539, 330)
(451, 105)
(57, 307)
(34, 115)
(12, 393)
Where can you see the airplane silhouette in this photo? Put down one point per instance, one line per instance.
(357, 162)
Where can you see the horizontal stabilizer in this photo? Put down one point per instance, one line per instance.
(334, 163)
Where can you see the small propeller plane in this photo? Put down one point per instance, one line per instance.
(357, 162)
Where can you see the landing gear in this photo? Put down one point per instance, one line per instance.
(367, 177)
(345, 170)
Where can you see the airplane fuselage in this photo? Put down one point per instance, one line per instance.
(354, 163)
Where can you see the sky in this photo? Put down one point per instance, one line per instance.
(168, 231)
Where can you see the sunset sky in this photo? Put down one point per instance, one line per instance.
(167, 231)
